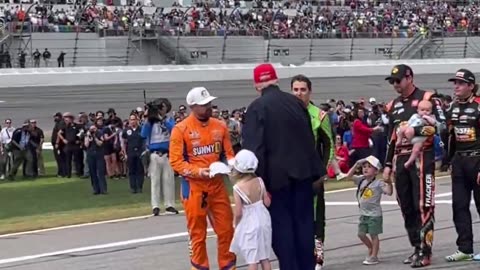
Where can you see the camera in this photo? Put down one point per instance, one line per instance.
(155, 107)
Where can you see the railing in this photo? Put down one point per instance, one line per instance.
(244, 46)
(237, 45)
(452, 44)
(81, 44)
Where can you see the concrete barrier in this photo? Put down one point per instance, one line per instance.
(159, 74)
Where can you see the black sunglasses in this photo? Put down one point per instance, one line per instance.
(396, 80)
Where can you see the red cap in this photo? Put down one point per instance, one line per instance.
(264, 73)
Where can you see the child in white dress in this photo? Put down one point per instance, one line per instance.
(253, 230)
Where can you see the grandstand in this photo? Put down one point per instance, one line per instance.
(196, 32)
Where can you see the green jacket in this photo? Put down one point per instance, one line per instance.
(322, 131)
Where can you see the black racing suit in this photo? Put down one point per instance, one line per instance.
(464, 147)
(415, 186)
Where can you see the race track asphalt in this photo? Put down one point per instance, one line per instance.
(41, 103)
(153, 243)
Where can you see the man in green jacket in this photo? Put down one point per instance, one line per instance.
(301, 87)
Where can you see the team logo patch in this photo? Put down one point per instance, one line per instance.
(427, 131)
(429, 238)
(194, 134)
(395, 70)
(129, 132)
(214, 148)
(465, 134)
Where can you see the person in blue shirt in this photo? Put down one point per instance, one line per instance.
(156, 131)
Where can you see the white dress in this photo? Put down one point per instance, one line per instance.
(253, 234)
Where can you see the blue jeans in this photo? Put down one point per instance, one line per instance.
(96, 166)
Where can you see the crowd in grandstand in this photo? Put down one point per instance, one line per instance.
(295, 19)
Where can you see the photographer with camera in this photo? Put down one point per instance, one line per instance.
(95, 149)
(157, 130)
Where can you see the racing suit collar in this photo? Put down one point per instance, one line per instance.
(406, 97)
(467, 100)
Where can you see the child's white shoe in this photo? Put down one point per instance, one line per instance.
(371, 261)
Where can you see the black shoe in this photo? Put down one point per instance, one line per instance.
(133, 191)
(412, 257)
(96, 193)
(421, 260)
(171, 210)
(156, 211)
(444, 168)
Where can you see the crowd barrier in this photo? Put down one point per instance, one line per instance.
(78, 76)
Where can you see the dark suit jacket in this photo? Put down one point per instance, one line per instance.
(278, 130)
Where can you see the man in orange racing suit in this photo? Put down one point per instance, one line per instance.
(195, 143)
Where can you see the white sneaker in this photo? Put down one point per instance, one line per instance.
(371, 261)
(2, 177)
(319, 254)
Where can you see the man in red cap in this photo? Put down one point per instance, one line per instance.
(278, 130)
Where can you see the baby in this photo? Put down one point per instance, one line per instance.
(423, 117)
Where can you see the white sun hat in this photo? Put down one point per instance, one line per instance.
(245, 161)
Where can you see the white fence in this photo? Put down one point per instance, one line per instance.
(159, 74)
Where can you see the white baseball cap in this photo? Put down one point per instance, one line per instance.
(372, 99)
(245, 161)
(199, 96)
(374, 162)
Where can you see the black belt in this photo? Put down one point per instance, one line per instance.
(407, 151)
(471, 153)
(160, 153)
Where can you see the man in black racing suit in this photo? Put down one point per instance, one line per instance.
(464, 147)
(416, 186)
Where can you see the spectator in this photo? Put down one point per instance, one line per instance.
(361, 133)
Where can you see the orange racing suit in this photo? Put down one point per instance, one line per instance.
(193, 146)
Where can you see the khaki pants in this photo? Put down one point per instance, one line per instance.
(40, 164)
(161, 177)
(19, 157)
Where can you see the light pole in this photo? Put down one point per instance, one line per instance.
(270, 33)
(27, 12)
(177, 51)
(78, 20)
(224, 48)
(130, 30)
